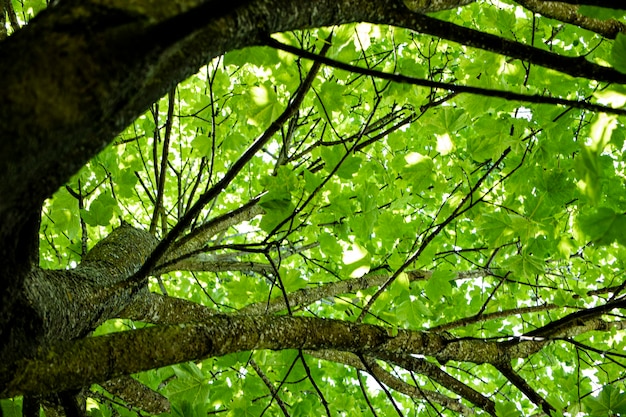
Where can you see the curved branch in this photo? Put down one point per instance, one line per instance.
(67, 304)
(574, 66)
(506, 95)
(568, 13)
(608, 4)
(199, 265)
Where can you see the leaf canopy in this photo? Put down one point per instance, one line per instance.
(378, 201)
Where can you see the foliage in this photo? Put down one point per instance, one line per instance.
(480, 218)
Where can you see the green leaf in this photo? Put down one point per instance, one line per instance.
(242, 407)
(486, 147)
(506, 409)
(190, 386)
(100, 211)
(415, 169)
(589, 167)
(261, 56)
(524, 265)
(618, 53)
(263, 105)
(11, 407)
(332, 156)
(276, 212)
(330, 101)
(203, 145)
(413, 310)
(311, 181)
(439, 284)
(496, 228)
(125, 181)
(410, 311)
(349, 167)
(328, 244)
(610, 402)
(604, 226)
(186, 408)
(357, 260)
(270, 203)
(292, 280)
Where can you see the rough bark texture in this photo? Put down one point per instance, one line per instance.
(134, 392)
(569, 14)
(68, 304)
(69, 365)
(218, 336)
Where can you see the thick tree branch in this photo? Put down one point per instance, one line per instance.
(66, 304)
(424, 6)
(68, 365)
(160, 309)
(569, 14)
(609, 4)
(134, 392)
(573, 66)
(201, 263)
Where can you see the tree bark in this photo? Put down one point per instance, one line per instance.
(68, 304)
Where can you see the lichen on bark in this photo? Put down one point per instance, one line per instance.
(69, 304)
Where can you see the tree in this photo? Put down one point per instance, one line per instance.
(300, 208)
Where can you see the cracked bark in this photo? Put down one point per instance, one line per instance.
(68, 304)
(67, 365)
